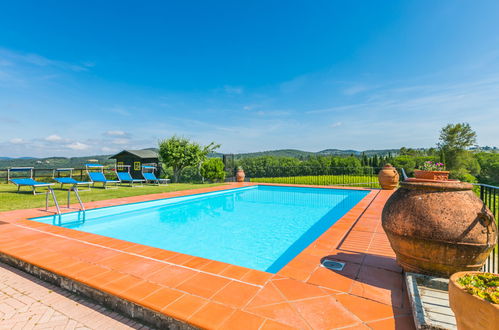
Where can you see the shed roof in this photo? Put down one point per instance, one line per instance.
(143, 153)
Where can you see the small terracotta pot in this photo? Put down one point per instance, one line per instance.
(471, 311)
(432, 175)
(388, 177)
(240, 176)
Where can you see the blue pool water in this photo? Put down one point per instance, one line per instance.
(260, 227)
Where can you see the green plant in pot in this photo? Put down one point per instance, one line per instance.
(474, 299)
(430, 170)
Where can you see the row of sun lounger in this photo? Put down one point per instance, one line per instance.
(95, 172)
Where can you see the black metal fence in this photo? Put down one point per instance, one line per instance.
(46, 174)
(490, 196)
(325, 176)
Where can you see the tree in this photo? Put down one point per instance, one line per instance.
(489, 163)
(453, 142)
(408, 163)
(179, 152)
(457, 136)
(213, 169)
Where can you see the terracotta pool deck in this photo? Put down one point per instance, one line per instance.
(369, 293)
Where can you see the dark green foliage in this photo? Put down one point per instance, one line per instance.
(268, 166)
(463, 174)
(408, 163)
(489, 164)
(264, 166)
(303, 155)
(213, 170)
(489, 167)
(277, 153)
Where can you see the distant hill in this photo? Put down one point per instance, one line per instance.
(4, 158)
(53, 162)
(281, 153)
(79, 162)
(338, 152)
(327, 152)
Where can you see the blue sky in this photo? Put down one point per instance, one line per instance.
(95, 77)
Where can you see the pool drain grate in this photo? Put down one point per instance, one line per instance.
(333, 265)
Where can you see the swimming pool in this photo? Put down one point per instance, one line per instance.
(259, 227)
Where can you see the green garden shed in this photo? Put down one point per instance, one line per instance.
(137, 158)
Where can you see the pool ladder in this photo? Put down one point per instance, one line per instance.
(51, 192)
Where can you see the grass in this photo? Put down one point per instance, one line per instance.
(369, 181)
(10, 200)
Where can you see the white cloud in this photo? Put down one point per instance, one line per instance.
(115, 133)
(120, 111)
(8, 120)
(5, 62)
(337, 124)
(78, 146)
(120, 141)
(17, 141)
(106, 149)
(53, 138)
(355, 89)
(233, 89)
(41, 61)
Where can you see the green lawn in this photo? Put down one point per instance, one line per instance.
(10, 200)
(369, 181)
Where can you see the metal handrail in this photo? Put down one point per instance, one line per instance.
(485, 185)
(51, 192)
(82, 208)
(75, 189)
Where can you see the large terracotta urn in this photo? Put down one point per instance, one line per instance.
(240, 175)
(438, 227)
(388, 177)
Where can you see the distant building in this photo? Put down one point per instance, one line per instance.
(136, 158)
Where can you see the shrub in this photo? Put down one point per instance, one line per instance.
(190, 174)
(463, 175)
(213, 169)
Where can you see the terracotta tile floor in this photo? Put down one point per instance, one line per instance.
(368, 293)
(29, 303)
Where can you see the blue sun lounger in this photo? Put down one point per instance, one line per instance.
(125, 177)
(150, 177)
(28, 182)
(98, 175)
(68, 179)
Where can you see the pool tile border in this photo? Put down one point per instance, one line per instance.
(202, 292)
